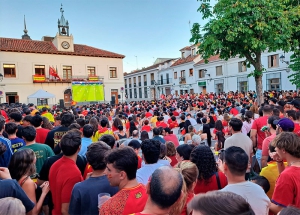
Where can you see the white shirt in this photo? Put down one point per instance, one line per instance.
(193, 121)
(143, 174)
(253, 194)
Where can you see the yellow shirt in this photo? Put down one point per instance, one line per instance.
(271, 173)
(153, 121)
(98, 135)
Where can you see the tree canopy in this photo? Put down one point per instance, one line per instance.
(246, 28)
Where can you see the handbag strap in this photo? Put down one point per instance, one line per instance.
(218, 181)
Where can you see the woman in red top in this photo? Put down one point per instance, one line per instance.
(218, 127)
(173, 123)
(117, 122)
(209, 178)
(171, 153)
(146, 126)
(189, 172)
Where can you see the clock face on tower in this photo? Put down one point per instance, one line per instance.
(65, 44)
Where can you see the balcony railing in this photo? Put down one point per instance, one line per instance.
(145, 83)
(125, 85)
(152, 82)
(140, 84)
(134, 85)
(182, 80)
(129, 85)
(44, 79)
(165, 81)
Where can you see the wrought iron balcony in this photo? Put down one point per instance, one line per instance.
(51, 79)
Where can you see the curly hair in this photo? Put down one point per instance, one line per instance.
(204, 159)
(151, 150)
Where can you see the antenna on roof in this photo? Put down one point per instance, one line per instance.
(25, 36)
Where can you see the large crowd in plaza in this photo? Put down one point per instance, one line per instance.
(200, 154)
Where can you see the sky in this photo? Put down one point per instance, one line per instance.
(142, 30)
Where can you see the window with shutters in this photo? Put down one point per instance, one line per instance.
(242, 66)
(219, 71)
(273, 61)
(201, 73)
(91, 71)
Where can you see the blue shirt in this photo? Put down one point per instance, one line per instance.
(17, 143)
(84, 198)
(161, 140)
(5, 158)
(85, 142)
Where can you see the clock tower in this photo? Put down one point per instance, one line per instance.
(63, 41)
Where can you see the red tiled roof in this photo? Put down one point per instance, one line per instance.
(212, 58)
(186, 48)
(47, 47)
(188, 59)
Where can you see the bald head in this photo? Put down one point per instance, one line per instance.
(165, 187)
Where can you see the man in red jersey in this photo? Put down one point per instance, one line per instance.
(257, 135)
(64, 173)
(121, 171)
(294, 116)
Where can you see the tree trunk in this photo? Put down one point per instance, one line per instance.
(258, 80)
(259, 90)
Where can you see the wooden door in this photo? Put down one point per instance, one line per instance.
(204, 90)
(115, 94)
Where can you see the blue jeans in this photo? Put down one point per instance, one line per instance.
(258, 155)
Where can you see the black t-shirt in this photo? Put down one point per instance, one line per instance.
(11, 188)
(44, 173)
(54, 136)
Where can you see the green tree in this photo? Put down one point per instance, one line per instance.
(244, 28)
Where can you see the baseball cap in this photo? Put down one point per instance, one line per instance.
(285, 123)
(295, 103)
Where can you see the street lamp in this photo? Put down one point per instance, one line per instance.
(282, 57)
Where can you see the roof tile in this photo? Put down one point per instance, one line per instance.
(212, 58)
(188, 59)
(47, 47)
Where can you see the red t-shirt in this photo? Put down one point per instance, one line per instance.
(175, 113)
(257, 125)
(140, 160)
(126, 201)
(266, 143)
(148, 114)
(87, 170)
(287, 188)
(161, 124)
(63, 175)
(173, 138)
(146, 128)
(41, 135)
(202, 187)
(190, 196)
(169, 121)
(173, 124)
(173, 160)
(113, 128)
(234, 111)
(297, 129)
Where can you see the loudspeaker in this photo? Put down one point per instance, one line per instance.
(61, 103)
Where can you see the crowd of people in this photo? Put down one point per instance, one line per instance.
(201, 154)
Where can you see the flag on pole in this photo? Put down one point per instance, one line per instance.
(53, 73)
